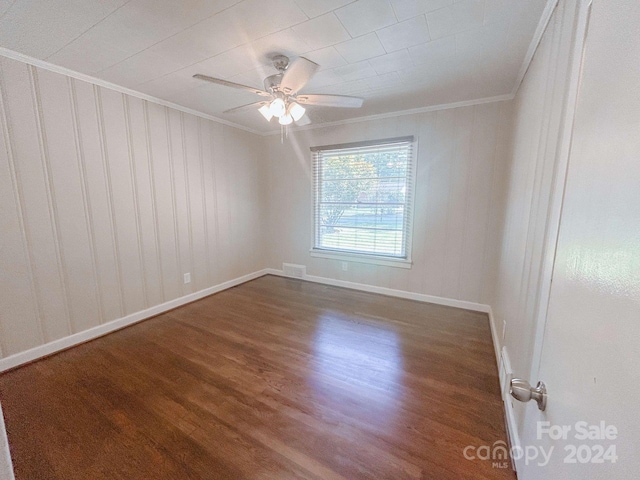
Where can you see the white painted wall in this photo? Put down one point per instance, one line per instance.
(458, 197)
(107, 200)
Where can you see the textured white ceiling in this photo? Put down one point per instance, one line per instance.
(397, 54)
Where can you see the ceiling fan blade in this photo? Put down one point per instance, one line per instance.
(251, 106)
(297, 75)
(305, 120)
(226, 83)
(330, 100)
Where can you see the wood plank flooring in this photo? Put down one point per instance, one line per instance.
(274, 379)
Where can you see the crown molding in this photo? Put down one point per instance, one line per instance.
(400, 113)
(5, 52)
(36, 62)
(535, 42)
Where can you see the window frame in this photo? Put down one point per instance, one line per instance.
(370, 258)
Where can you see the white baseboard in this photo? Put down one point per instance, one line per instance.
(512, 431)
(32, 354)
(95, 332)
(420, 297)
(502, 359)
(497, 344)
(449, 302)
(101, 330)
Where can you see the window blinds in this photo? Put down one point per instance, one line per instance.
(363, 197)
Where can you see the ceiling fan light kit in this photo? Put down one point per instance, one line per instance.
(285, 103)
(285, 119)
(266, 112)
(296, 111)
(277, 108)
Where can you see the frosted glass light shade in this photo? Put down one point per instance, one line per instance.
(285, 119)
(277, 107)
(296, 111)
(266, 112)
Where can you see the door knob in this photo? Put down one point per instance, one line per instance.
(522, 391)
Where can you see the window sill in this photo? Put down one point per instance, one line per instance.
(361, 258)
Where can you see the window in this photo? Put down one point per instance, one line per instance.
(363, 199)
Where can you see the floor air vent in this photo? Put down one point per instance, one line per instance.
(293, 270)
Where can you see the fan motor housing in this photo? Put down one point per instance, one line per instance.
(273, 82)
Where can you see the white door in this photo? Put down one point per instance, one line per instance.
(590, 354)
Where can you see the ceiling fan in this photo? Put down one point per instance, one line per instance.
(284, 101)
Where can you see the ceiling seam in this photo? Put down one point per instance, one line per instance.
(85, 31)
(213, 56)
(171, 36)
(8, 8)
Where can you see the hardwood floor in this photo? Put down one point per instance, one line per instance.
(273, 379)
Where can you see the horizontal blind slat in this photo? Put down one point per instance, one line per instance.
(376, 225)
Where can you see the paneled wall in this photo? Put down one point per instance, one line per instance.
(533, 165)
(461, 160)
(107, 200)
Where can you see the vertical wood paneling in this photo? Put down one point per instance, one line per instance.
(86, 201)
(438, 201)
(136, 201)
(228, 189)
(222, 201)
(211, 196)
(497, 206)
(180, 195)
(69, 207)
(204, 150)
(152, 188)
(31, 183)
(188, 221)
(457, 203)
(537, 113)
(106, 200)
(145, 201)
(424, 210)
(239, 200)
(195, 196)
(98, 195)
(106, 168)
(122, 198)
(454, 200)
(51, 204)
(484, 138)
(174, 147)
(21, 319)
(162, 188)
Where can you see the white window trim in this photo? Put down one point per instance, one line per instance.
(361, 258)
(356, 257)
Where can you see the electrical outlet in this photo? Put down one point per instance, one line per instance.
(187, 278)
(345, 266)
